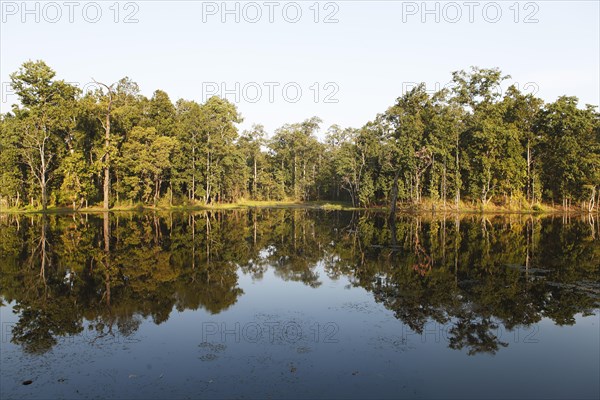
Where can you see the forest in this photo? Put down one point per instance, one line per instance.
(465, 146)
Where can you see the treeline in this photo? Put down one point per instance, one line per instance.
(468, 143)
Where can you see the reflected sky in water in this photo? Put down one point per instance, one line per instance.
(299, 303)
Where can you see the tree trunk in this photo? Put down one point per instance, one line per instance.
(457, 175)
(394, 198)
(44, 188)
(106, 124)
(254, 181)
(444, 188)
(529, 196)
(157, 183)
(44, 197)
(532, 192)
(193, 193)
(106, 186)
(417, 187)
(207, 195)
(295, 179)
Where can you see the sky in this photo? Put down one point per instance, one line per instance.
(283, 62)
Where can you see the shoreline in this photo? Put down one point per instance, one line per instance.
(403, 209)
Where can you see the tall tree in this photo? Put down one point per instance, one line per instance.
(46, 116)
(117, 109)
(187, 160)
(407, 123)
(571, 150)
(522, 110)
(219, 117)
(106, 156)
(251, 143)
(12, 182)
(298, 152)
(146, 156)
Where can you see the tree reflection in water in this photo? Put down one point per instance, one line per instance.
(473, 274)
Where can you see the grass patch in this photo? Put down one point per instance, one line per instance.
(426, 206)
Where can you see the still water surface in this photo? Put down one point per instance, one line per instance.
(299, 304)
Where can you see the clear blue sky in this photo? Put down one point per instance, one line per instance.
(374, 51)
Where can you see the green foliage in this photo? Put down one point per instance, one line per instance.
(470, 143)
(571, 149)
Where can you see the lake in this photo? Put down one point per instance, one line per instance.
(298, 303)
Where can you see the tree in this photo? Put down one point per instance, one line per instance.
(77, 178)
(160, 113)
(443, 136)
(107, 147)
(465, 142)
(349, 160)
(187, 158)
(251, 143)
(485, 137)
(46, 117)
(571, 150)
(116, 109)
(297, 150)
(219, 132)
(523, 112)
(146, 156)
(407, 123)
(12, 185)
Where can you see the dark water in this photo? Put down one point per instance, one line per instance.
(299, 303)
